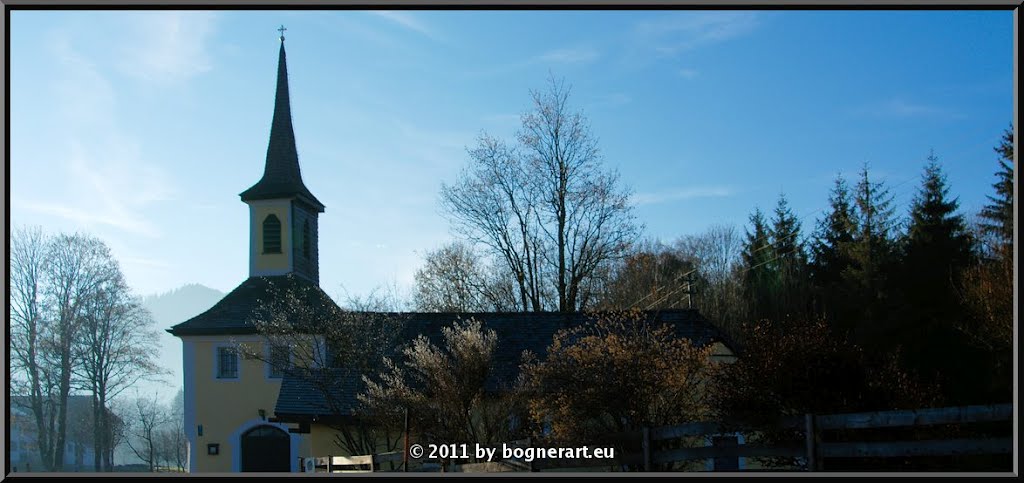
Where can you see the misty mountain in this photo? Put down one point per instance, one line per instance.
(178, 305)
(168, 309)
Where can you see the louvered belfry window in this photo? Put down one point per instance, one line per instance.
(305, 239)
(271, 234)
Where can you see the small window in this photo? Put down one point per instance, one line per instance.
(271, 234)
(280, 359)
(305, 239)
(227, 363)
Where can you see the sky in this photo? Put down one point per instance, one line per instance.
(142, 127)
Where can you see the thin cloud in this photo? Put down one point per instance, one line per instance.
(642, 199)
(86, 217)
(671, 34)
(103, 178)
(168, 46)
(111, 193)
(408, 21)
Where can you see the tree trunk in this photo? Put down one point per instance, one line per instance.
(106, 436)
(62, 415)
(43, 438)
(97, 432)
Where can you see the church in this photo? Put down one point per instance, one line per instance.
(244, 414)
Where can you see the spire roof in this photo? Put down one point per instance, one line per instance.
(281, 175)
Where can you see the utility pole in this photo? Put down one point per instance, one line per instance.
(405, 455)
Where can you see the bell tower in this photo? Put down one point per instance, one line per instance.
(282, 212)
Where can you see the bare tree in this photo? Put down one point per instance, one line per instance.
(53, 280)
(717, 255)
(114, 434)
(382, 298)
(171, 449)
(29, 251)
(716, 251)
(116, 349)
(454, 278)
(450, 280)
(584, 213)
(144, 419)
(500, 288)
(79, 265)
(651, 276)
(494, 204)
(444, 388)
(178, 440)
(544, 207)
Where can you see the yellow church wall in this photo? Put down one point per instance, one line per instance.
(321, 441)
(223, 406)
(270, 263)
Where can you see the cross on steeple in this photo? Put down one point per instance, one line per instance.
(282, 29)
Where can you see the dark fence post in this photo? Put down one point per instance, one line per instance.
(646, 444)
(529, 444)
(812, 447)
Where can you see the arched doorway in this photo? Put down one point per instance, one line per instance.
(266, 448)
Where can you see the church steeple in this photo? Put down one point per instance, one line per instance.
(282, 212)
(282, 177)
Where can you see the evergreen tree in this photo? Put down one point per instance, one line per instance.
(935, 251)
(987, 288)
(830, 252)
(790, 263)
(998, 216)
(937, 243)
(871, 254)
(758, 270)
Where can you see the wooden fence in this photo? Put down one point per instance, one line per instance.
(349, 464)
(811, 453)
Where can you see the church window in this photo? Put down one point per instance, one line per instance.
(280, 359)
(271, 234)
(227, 363)
(305, 239)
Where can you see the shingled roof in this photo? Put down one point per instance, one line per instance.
(281, 175)
(302, 398)
(231, 315)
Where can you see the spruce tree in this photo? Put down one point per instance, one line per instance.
(935, 251)
(830, 252)
(790, 263)
(937, 243)
(871, 255)
(987, 287)
(758, 270)
(998, 215)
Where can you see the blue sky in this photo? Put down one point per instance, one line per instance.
(143, 127)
